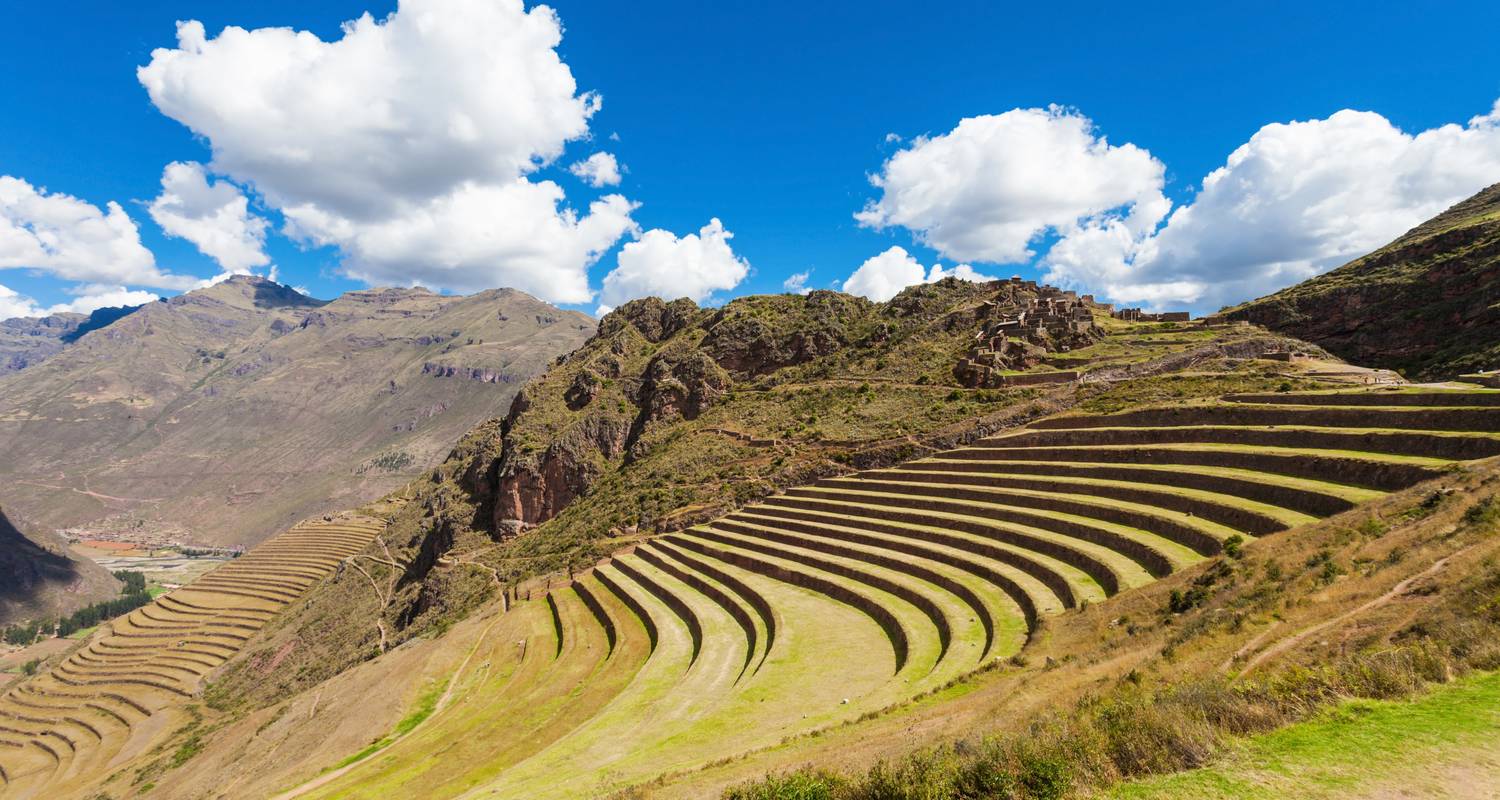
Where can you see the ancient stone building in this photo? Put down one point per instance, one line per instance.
(1137, 315)
(1021, 325)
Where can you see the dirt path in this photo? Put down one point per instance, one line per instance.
(1297, 638)
(95, 495)
(329, 777)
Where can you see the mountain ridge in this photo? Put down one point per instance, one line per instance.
(1428, 303)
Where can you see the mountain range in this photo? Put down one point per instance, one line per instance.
(221, 415)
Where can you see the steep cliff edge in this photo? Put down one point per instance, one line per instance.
(1427, 304)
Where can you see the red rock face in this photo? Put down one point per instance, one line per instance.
(526, 497)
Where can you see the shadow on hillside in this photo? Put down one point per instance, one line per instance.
(99, 318)
(26, 567)
(273, 295)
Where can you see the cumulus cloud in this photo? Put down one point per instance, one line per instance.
(94, 297)
(90, 298)
(995, 183)
(598, 170)
(213, 215)
(406, 142)
(883, 276)
(478, 237)
(14, 304)
(796, 283)
(659, 263)
(1294, 201)
(963, 272)
(74, 240)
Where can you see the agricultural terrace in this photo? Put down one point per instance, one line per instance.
(850, 595)
(114, 697)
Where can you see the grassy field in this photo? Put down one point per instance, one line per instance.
(1441, 745)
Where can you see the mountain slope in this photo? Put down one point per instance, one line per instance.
(40, 579)
(1427, 303)
(28, 341)
(674, 414)
(221, 415)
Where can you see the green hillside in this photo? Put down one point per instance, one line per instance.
(1427, 304)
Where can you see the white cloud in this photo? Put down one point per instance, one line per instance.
(405, 142)
(14, 304)
(74, 240)
(214, 216)
(479, 237)
(797, 282)
(1294, 201)
(883, 276)
(438, 94)
(91, 297)
(661, 264)
(598, 170)
(987, 189)
(963, 272)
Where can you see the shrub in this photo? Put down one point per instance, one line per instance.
(805, 784)
(1484, 512)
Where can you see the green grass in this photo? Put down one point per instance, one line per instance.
(83, 633)
(1349, 751)
(425, 705)
(157, 591)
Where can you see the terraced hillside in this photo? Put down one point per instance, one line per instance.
(849, 595)
(116, 697)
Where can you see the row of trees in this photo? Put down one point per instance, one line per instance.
(132, 597)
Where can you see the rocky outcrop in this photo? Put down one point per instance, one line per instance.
(481, 374)
(678, 384)
(749, 344)
(525, 487)
(653, 318)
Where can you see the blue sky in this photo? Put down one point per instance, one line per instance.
(773, 117)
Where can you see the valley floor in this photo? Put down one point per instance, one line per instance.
(1441, 745)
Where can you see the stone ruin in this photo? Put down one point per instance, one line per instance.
(1137, 315)
(1021, 325)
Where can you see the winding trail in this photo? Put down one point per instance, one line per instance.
(1287, 643)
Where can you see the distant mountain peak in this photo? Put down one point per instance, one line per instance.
(250, 291)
